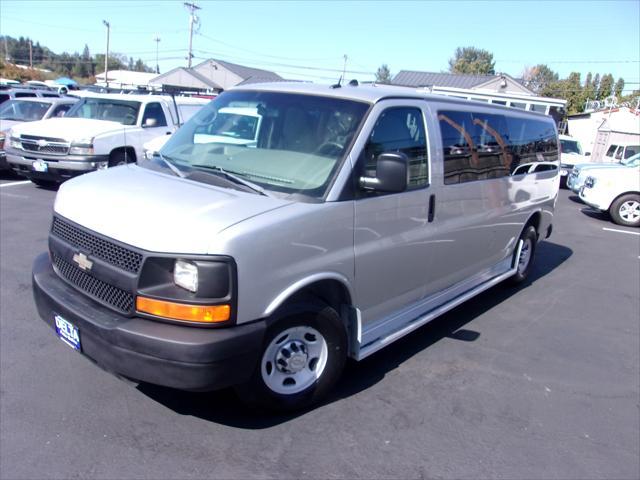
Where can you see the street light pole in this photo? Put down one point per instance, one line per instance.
(157, 40)
(106, 57)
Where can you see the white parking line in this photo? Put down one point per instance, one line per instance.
(620, 231)
(14, 183)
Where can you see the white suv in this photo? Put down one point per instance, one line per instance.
(617, 191)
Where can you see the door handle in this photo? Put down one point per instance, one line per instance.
(432, 207)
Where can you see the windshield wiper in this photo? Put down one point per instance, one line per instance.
(171, 166)
(234, 178)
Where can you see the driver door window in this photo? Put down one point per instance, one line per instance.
(399, 129)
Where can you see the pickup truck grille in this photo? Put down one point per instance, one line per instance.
(101, 291)
(53, 146)
(116, 255)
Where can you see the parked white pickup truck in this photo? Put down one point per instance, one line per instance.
(100, 131)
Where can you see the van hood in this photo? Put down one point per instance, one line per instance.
(155, 211)
(69, 129)
(5, 125)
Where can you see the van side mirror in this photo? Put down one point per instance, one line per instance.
(150, 122)
(391, 173)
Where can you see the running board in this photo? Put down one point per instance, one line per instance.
(380, 343)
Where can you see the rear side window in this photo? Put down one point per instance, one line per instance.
(154, 111)
(631, 151)
(399, 129)
(4, 97)
(480, 146)
(611, 150)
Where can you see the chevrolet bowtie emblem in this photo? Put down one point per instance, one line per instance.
(83, 262)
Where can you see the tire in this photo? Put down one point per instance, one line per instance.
(301, 359)
(44, 183)
(529, 238)
(625, 210)
(119, 158)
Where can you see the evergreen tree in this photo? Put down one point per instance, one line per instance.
(383, 75)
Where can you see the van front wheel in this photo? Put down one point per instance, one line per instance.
(626, 210)
(523, 263)
(301, 360)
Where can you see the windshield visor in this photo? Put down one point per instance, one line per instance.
(288, 143)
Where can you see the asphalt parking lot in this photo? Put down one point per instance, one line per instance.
(537, 382)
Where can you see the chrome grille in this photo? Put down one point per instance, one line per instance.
(102, 291)
(103, 249)
(54, 146)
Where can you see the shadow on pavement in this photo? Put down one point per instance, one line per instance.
(597, 214)
(225, 408)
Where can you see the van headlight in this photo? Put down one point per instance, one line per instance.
(82, 147)
(185, 275)
(590, 182)
(14, 142)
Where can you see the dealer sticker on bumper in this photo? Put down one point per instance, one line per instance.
(67, 332)
(40, 166)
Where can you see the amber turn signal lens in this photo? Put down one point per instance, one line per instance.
(182, 311)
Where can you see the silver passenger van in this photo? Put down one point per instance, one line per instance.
(359, 214)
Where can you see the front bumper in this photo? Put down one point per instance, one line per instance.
(59, 167)
(184, 357)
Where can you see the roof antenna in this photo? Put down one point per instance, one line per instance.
(344, 70)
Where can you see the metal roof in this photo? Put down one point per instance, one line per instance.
(411, 78)
(169, 78)
(246, 72)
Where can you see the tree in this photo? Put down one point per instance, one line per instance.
(606, 86)
(472, 60)
(538, 77)
(617, 90)
(383, 75)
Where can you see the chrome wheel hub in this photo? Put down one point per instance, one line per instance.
(630, 211)
(292, 357)
(294, 360)
(525, 256)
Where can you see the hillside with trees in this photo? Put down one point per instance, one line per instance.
(81, 66)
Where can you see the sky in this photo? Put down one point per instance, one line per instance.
(307, 40)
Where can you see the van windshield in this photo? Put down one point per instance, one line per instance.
(121, 111)
(284, 143)
(570, 146)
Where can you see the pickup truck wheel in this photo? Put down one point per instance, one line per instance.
(529, 239)
(119, 158)
(301, 360)
(626, 210)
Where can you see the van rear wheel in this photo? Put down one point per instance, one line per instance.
(529, 239)
(301, 360)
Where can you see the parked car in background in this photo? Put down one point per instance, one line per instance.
(570, 154)
(579, 174)
(617, 152)
(21, 110)
(99, 131)
(11, 93)
(615, 190)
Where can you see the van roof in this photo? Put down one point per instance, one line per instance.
(368, 92)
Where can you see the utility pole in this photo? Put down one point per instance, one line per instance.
(106, 57)
(192, 7)
(157, 40)
(6, 50)
(30, 54)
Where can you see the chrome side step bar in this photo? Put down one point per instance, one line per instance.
(380, 343)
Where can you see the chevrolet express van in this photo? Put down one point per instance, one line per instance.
(359, 214)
